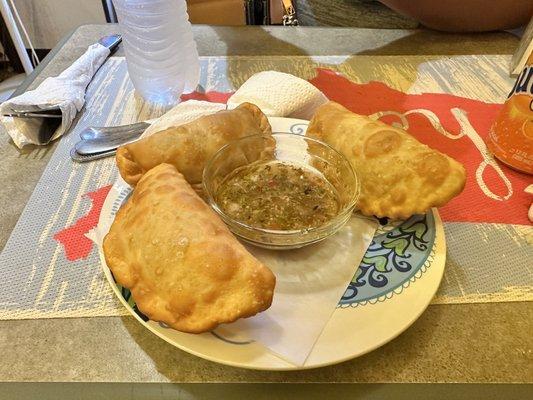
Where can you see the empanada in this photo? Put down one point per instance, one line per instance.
(399, 175)
(188, 147)
(180, 261)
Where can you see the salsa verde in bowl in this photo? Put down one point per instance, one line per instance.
(281, 191)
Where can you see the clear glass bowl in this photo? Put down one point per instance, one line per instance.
(294, 149)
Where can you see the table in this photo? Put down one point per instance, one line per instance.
(469, 343)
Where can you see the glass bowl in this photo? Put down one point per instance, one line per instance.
(296, 150)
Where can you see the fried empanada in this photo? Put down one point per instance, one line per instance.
(399, 175)
(180, 261)
(188, 147)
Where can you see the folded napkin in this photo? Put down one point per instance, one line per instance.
(277, 94)
(66, 91)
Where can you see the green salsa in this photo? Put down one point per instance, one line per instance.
(278, 196)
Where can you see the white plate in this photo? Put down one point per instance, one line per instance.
(397, 279)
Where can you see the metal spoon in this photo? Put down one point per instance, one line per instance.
(100, 142)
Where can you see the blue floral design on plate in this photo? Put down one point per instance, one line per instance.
(392, 261)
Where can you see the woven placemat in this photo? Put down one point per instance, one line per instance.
(50, 269)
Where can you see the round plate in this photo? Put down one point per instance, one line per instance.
(394, 284)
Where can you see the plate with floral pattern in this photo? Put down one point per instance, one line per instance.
(395, 282)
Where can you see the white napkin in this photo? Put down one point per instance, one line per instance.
(66, 91)
(277, 94)
(309, 284)
(182, 113)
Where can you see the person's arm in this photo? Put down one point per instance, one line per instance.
(466, 15)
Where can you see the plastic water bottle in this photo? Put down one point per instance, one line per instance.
(160, 50)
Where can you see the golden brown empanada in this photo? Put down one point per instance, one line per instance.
(188, 147)
(399, 175)
(180, 261)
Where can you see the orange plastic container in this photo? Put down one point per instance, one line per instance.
(511, 135)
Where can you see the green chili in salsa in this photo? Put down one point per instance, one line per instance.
(277, 195)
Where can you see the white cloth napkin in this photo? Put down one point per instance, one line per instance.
(66, 91)
(277, 94)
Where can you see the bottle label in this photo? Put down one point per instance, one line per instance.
(524, 83)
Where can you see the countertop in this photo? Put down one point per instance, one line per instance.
(469, 343)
